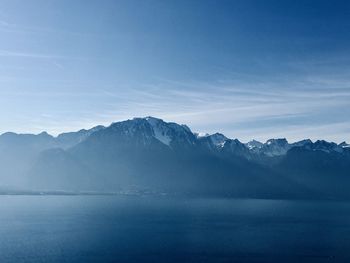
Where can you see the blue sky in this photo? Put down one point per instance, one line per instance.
(249, 69)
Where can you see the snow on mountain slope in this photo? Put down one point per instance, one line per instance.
(235, 147)
(160, 130)
(276, 147)
(146, 129)
(254, 145)
(218, 139)
(344, 145)
(212, 142)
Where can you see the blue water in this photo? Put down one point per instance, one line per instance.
(149, 229)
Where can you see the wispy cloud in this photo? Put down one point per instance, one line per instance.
(242, 111)
(233, 110)
(19, 54)
(5, 53)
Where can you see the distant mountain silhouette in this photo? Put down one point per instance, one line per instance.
(148, 153)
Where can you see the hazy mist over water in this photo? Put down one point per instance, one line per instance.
(146, 229)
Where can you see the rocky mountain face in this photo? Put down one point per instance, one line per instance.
(149, 153)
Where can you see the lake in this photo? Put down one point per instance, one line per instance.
(149, 229)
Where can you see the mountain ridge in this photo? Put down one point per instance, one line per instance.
(84, 133)
(151, 153)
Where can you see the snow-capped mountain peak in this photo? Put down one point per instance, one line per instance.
(218, 139)
(254, 145)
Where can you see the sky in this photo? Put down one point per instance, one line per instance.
(248, 69)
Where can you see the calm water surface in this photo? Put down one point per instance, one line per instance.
(148, 229)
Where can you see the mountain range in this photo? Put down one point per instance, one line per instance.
(149, 153)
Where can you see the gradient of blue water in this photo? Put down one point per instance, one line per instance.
(149, 229)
